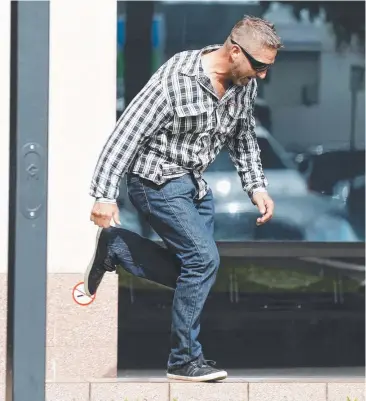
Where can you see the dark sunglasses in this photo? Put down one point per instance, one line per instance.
(256, 65)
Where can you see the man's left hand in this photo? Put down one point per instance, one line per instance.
(265, 206)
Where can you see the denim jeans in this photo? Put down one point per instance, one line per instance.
(188, 264)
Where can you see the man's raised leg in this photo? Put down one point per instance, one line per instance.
(138, 255)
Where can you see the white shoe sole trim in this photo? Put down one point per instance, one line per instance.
(212, 376)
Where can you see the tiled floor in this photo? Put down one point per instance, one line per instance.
(298, 374)
(236, 389)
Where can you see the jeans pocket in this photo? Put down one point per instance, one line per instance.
(183, 186)
(137, 195)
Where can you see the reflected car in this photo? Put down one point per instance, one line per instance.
(300, 215)
(355, 204)
(281, 172)
(326, 169)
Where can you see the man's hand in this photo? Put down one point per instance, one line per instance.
(103, 213)
(265, 205)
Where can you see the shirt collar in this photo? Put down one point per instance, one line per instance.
(194, 67)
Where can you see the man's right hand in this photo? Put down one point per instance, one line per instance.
(103, 213)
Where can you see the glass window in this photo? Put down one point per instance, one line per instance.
(264, 313)
(310, 157)
(274, 313)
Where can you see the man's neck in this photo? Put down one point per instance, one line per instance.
(215, 66)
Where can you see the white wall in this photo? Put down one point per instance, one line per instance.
(82, 115)
(4, 129)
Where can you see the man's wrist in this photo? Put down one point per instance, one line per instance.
(261, 189)
(255, 191)
(105, 200)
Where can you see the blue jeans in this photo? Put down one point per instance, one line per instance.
(188, 264)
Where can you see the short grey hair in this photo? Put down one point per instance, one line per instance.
(257, 31)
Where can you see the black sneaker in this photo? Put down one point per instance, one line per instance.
(199, 370)
(99, 264)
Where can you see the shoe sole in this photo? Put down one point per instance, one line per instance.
(87, 272)
(221, 375)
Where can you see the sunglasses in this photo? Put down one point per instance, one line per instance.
(256, 65)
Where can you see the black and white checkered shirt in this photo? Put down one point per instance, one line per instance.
(177, 125)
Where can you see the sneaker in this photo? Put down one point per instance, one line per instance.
(99, 264)
(199, 370)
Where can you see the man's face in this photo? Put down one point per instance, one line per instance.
(247, 64)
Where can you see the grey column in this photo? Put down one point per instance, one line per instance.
(27, 275)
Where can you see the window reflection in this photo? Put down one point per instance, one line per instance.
(268, 312)
(264, 312)
(307, 148)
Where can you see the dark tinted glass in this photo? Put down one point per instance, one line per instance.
(262, 313)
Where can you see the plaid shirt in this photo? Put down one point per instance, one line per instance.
(177, 125)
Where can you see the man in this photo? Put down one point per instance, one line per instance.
(196, 103)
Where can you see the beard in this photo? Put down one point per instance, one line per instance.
(238, 78)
